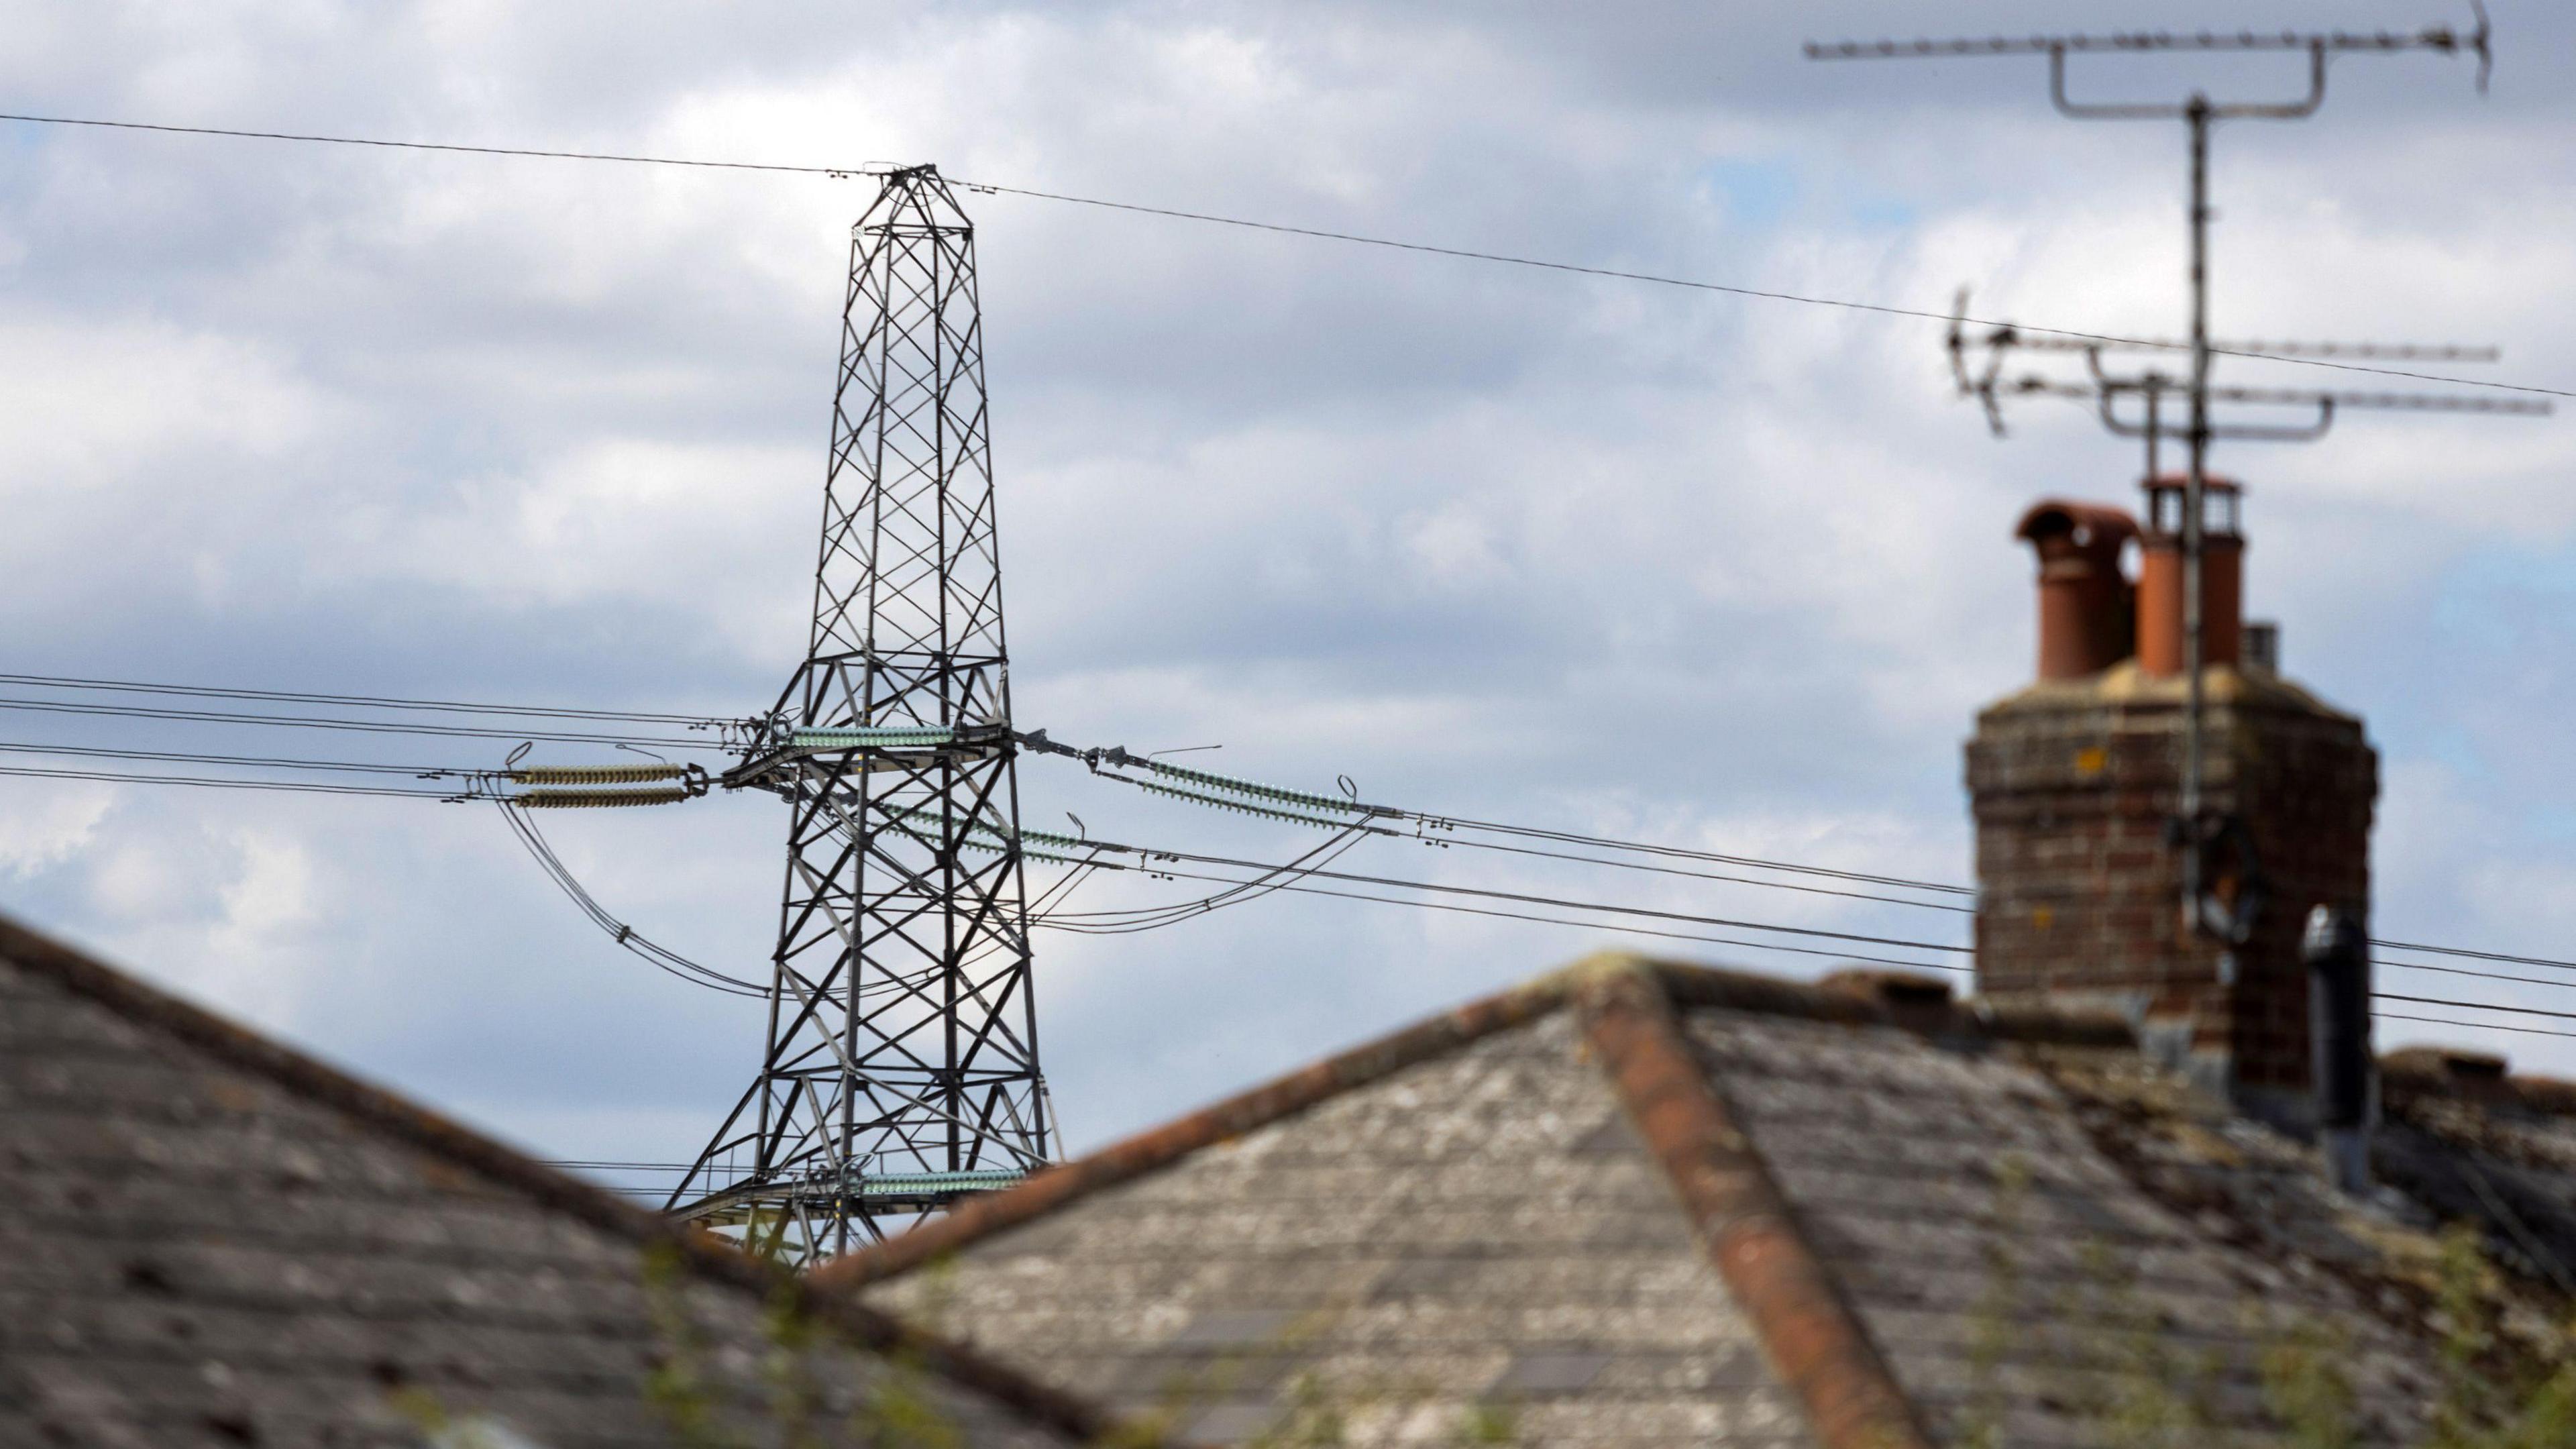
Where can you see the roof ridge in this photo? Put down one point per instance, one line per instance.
(1814, 1338)
(1160, 1147)
(1686, 984)
(308, 1077)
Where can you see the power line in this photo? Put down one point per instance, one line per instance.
(137, 711)
(1751, 925)
(1683, 853)
(1209, 780)
(2476, 955)
(371, 701)
(293, 786)
(1093, 922)
(2475, 1025)
(703, 976)
(2482, 975)
(1152, 854)
(1280, 228)
(1692, 284)
(2475, 1005)
(525, 151)
(417, 772)
(1116, 757)
(1456, 909)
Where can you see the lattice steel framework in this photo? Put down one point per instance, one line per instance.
(902, 1061)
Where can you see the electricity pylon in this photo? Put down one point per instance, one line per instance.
(901, 1070)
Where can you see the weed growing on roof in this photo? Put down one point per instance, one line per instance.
(442, 1429)
(1313, 1409)
(2488, 1400)
(2306, 1389)
(1995, 1321)
(675, 1386)
(1488, 1423)
(897, 1411)
(795, 1399)
(2155, 1395)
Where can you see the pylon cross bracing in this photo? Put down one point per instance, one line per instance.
(901, 1067)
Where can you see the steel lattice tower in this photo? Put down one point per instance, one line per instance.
(902, 1061)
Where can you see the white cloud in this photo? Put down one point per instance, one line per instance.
(1715, 570)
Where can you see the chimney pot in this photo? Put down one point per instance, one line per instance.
(2338, 957)
(2263, 646)
(2222, 574)
(2085, 602)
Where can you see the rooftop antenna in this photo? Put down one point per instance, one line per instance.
(2194, 829)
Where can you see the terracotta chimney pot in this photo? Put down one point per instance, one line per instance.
(2085, 602)
(2222, 576)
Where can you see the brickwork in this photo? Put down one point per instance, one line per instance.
(2080, 895)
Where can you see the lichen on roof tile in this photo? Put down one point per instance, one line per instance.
(1457, 1239)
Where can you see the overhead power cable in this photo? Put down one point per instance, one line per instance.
(1114, 759)
(449, 146)
(1252, 224)
(2477, 1005)
(2476, 1025)
(272, 762)
(388, 727)
(1120, 757)
(291, 786)
(2550, 982)
(668, 961)
(1456, 909)
(1684, 853)
(369, 701)
(1527, 898)
(2460, 951)
(1157, 869)
(1452, 840)
(662, 957)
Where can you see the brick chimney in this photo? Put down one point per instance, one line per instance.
(2073, 782)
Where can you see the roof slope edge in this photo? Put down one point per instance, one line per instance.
(397, 1117)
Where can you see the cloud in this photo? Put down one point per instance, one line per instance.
(1493, 540)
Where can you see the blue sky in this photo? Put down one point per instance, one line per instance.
(1489, 540)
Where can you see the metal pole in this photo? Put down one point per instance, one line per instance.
(2155, 424)
(2197, 112)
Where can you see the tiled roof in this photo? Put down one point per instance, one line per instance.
(1640, 1203)
(213, 1240)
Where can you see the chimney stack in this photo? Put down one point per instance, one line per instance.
(2075, 782)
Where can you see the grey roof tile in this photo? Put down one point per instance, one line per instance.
(1478, 1233)
(2026, 1223)
(214, 1242)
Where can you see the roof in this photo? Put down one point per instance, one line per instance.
(1639, 1202)
(215, 1240)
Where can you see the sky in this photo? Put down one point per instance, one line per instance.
(1495, 541)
